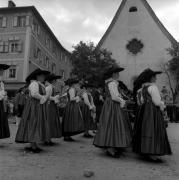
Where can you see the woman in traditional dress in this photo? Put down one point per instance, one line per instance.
(72, 119)
(4, 127)
(150, 137)
(88, 109)
(34, 127)
(114, 133)
(53, 112)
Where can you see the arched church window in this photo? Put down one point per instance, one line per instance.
(133, 9)
(135, 46)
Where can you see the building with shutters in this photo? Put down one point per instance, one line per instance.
(27, 43)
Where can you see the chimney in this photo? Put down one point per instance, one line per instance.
(11, 4)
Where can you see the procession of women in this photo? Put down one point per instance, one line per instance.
(95, 111)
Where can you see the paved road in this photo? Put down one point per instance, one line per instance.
(68, 161)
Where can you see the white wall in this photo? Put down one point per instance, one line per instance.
(138, 25)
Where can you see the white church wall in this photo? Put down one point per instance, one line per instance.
(139, 25)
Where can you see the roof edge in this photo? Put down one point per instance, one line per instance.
(151, 12)
(36, 12)
(111, 24)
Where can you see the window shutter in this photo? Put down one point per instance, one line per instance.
(27, 20)
(6, 49)
(16, 38)
(1, 46)
(20, 46)
(15, 22)
(11, 38)
(38, 31)
(4, 22)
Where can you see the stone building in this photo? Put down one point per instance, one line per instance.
(27, 43)
(137, 40)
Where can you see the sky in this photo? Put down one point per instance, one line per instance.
(87, 20)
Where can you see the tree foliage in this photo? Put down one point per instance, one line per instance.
(174, 62)
(173, 67)
(90, 62)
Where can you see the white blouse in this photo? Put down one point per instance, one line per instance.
(86, 99)
(34, 92)
(155, 94)
(2, 91)
(73, 97)
(113, 89)
(49, 90)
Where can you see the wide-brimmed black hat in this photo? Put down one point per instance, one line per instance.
(35, 73)
(4, 66)
(145, 76)
(111, 70)
(71, 81)
(52, 77)
(89, 84)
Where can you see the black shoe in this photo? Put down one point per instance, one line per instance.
(88, 136)
(33, 150)
(68, 139)
(151, 159)
(50, 143)
(114, 155)
(28, 148)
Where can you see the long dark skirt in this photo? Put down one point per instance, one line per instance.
(88, 120)
(114, 129)
(54, 120)
(4, 126)
(72, 119)
(34, 126)
(150, 136)
(98, 112)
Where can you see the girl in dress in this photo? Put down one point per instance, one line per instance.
(4, 127)
(150, 137)
(72, 119)
(34, 127)
(114, 132)
(53, 112)
(88, 110)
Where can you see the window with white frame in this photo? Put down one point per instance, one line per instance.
(15, 46)
(1, 46)
(47, 62)
(1, 21)
(62, 73)
(39, 54)
(66, 59)
(4, 46)
(12, 72)
(19, 21)
(54, 68)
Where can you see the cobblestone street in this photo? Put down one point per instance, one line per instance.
(69, 161)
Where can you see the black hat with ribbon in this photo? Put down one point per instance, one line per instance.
(113, 69)
(52, 77)
(144, 77)
(4, 66)
(71, 81)
(35, 73)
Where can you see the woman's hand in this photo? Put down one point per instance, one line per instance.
(123, 104)
(43, 99)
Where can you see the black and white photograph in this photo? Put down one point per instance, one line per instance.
(89, 89)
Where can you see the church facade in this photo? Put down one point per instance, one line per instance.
(137, 40)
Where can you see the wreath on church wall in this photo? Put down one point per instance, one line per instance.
(135, 46)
